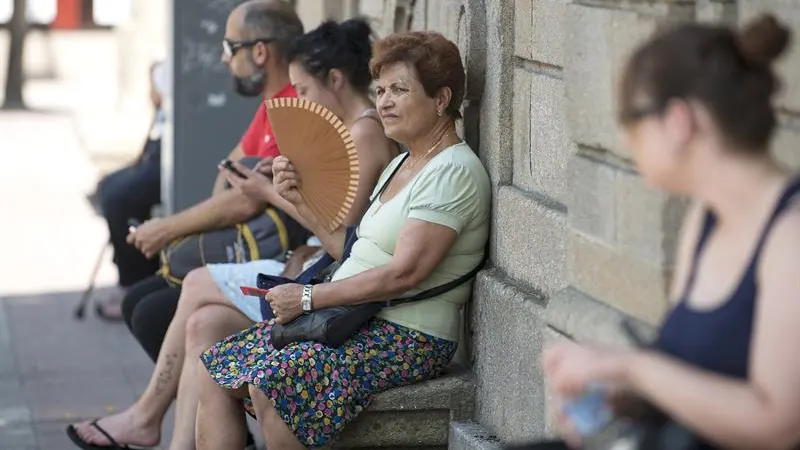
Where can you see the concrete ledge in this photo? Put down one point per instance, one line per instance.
(508, 335)
(452, 391)
(580, 316)
(471, 436)
(413, 417)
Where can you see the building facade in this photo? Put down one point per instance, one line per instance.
(578, 241)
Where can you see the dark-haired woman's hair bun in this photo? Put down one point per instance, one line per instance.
(345, 46)
(764, 39)
(358, 34)
(357, 30)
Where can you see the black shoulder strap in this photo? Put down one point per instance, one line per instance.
(792, 189)
(313, 272)
(433, 292)
(383, 187)
(438, 290)
(350, 235)
(709, 222)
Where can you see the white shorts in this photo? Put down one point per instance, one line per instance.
(229, 277)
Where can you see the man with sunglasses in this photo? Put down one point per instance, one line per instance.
(257, 36)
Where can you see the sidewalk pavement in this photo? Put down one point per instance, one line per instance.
(54, 370)
(78, 72)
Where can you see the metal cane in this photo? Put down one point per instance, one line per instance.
(80, 310)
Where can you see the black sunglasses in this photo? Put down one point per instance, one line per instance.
(230, 47)
(634, 114)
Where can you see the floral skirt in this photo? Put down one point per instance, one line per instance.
(317, 389)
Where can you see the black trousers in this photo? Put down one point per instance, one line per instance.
(131, 193)
(148, 309)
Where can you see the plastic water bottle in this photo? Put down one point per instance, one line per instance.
(589, 413)
(595, 422)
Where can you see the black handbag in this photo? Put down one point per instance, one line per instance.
(333, 326)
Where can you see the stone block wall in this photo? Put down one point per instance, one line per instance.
(578, 241)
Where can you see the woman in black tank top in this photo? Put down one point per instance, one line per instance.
(697, 114)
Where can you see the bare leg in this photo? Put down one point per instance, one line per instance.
(221, 424)
(205, 327)
(140, 424)
(276, 433)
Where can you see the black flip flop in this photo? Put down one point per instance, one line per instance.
(76, 439)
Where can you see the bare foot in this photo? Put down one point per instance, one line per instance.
(127, 428)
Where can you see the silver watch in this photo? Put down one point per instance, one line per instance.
(305, 300)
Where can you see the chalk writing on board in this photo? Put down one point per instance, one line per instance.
(222, 6)
(201, 56)
(209, 26)
(217, 100)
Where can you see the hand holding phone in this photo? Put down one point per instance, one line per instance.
(227, 164)
(132, 225)
(264, 166)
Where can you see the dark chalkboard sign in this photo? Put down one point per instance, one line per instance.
(207, 117)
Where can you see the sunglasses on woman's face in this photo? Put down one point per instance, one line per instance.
(230, 47)
(634, 114)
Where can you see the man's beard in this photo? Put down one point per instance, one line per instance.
(251, 85)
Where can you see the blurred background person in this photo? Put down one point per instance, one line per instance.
(696, 107)
(129, 194)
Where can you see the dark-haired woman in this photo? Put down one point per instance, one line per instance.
(330, 66)
(696, 109)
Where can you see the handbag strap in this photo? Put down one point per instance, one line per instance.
(438, 290)
(351, 236)
(430, 293)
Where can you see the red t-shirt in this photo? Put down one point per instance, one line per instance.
(258, 139)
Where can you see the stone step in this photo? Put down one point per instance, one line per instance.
(413, 417)
(472, 436)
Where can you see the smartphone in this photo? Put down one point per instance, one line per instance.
(253, 291)
(228, 165)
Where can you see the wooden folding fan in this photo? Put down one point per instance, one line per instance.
(323, 153)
